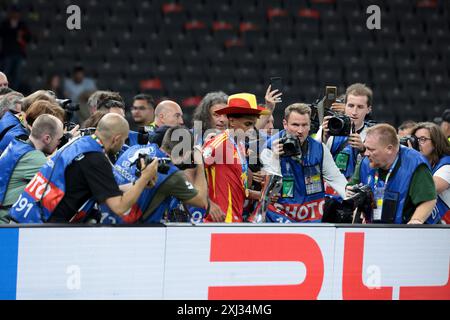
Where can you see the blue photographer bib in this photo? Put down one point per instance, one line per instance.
(8, 121)
(16, 131)
(441, 209)
(303, 191)
(8, 161)
(397, 188)
(45, 191)
(124, 173)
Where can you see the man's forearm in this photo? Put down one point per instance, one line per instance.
(123, 203)
(423, 211)
(200, 181)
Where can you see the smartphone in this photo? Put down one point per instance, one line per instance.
(276, 83)
(330, 96)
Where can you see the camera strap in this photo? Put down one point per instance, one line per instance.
(380, 191)
(244, 165)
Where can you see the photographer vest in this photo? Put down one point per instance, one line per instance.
(344, 155)
(45, 191)
(8, 162)
(14, 132)
(397, 188)
(124, 173)
(8, 121)
(441, 210)
(303, 188)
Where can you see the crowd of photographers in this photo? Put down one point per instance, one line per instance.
(328, 164)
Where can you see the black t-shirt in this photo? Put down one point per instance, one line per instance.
(90, 175)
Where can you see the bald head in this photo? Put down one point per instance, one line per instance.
(3, 80)
(168, 113)
(112, 124)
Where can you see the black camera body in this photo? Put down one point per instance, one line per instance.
(363, 200)
(412, 139)
(163, 164)
(67, 105)
(291, 146)
(87, 131)
(339, 125)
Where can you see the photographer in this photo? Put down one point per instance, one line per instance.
(305, 165)
(399, 177)
(436, 148)
(156, 203)
(22, 159)
(78, 172)
(22, 129)
(347, 150)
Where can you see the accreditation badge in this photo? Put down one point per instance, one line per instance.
(342, 161)
(313, 180)
(287, 189)
(379, 195)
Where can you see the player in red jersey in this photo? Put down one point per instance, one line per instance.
(225, 159)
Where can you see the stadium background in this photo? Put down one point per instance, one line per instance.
(184, 49)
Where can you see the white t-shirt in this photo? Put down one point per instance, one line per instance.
(444, 173)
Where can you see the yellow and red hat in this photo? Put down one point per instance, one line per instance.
(243, 103)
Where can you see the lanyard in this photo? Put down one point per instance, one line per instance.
(244, 165)
(387, 176)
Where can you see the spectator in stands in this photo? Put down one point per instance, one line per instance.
(205, 115)
(436, 148)
(225, 159)
(23, 159)
(167, 113)
(399, 177)
(445, 124)
(143, 111)
(155, 204)
(3, 81)
(80, 172)
(14, 35)
(78, 84)
(11, 102)
(405, 128)
(54, 84)
(347, 151)
(304, 173)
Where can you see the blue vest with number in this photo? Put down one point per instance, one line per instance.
(441, 207)
(347, 152)
(306, 204)
(398, 183)
(45, 191)
(8, 121)
(16, 131)
(124, 173)
(8, 161)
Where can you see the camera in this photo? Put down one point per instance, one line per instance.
(87, 131)
(412, 139)
(291, 145)
(363, 200)
(163, 164)
(67, 105)
(339, 124)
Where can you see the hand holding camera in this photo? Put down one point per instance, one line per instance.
(149, 171)
(356, 142)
